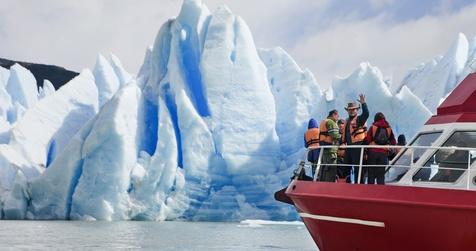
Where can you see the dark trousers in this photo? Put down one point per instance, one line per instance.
(328, 172)
(377, 158)
(352, 157)
(343, 172)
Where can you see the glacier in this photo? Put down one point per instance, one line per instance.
(433, 81)
(208, 129)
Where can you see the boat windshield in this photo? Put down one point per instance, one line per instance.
(447, 165)
(401, 165)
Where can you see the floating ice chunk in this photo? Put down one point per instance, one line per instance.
(260, 223)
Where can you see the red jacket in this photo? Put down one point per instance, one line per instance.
(384, 124)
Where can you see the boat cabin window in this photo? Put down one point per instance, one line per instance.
(402, 164)
(449, 165)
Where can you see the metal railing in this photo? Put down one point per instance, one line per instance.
(472, 66)
(402, 151)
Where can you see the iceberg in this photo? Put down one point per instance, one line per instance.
(106, 79)
(433, 81)
(397, 108)
(58, 117)
(123, 76)
(108, 154)
(46, 90)
(208, 130)
(22, 86)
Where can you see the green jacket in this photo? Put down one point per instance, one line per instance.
(333, 132)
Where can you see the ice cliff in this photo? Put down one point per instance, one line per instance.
(209, 128)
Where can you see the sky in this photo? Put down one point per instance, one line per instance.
(329, 37)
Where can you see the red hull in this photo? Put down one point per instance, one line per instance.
(371, 217)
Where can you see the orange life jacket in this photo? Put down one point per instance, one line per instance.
(312, 137)
(357, 134)
(324, 137)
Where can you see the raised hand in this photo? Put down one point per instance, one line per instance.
(361, 98)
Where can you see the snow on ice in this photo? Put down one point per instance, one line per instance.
(209, 129)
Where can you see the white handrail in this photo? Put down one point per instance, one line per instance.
(469, 171)
(408, 147)
(399, 147)
(472, 66)
(361, 161)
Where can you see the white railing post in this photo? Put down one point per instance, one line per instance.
(360, 164)
(412, 157)
(318, 164)
(469, 170)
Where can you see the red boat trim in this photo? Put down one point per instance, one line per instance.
(343, 220)
(391, 201)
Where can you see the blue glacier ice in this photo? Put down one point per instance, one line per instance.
(208, 129)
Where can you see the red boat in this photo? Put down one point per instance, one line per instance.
(428, 202)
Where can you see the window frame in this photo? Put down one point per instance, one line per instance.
(400, 154)
(433, 153)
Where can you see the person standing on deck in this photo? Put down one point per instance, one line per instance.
(355, 131)
(343, 172)
(311, 142)
(329, 136)
(380, 133)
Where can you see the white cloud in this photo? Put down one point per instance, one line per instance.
(394, 48)
(71, 33)
(379, 4)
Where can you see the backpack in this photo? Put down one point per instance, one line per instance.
(381, 137)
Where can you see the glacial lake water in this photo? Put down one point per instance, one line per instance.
(167, 236)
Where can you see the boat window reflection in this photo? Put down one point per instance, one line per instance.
(442, 164)
(402, 164)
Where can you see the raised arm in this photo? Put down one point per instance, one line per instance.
(362, 118)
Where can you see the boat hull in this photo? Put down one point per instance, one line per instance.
(372, 217)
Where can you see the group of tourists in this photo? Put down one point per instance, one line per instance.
(338, 159)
